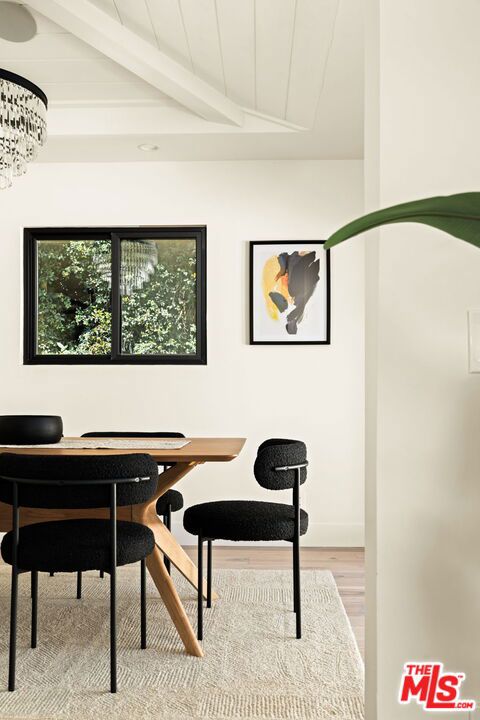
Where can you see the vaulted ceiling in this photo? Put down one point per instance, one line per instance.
(282, 78)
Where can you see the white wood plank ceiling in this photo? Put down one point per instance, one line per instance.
(268, 55)
(298, 61)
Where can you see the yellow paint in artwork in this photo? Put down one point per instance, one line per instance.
(272, 281)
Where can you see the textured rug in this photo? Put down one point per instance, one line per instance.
(253, 665)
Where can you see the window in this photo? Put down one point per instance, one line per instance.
(115, 295)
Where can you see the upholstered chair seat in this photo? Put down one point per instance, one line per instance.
(48, 547)
(244, 521)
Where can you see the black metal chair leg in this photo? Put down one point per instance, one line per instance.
(296, 550)
(102, 574)
(200, 589)
(52, 574)
(167, 519)
(34, 579)
(294, 565)
(13, 629)
(14, 593)
(143, 604)
(113, 588)
(297, 601)
(209, 573)
(79, 585)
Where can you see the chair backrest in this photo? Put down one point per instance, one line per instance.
(82, 468)
(111, 433)
(278, 452)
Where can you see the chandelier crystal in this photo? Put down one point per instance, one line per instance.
(139, 259)
(23, 125)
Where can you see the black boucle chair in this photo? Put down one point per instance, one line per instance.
(171, 501)
(75, 482)
(280, 465)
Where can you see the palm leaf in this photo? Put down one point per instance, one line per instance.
(458, 215)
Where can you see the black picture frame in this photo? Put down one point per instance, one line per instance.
(115, 234)
(327, 339)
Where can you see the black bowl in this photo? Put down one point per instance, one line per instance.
(30, 429)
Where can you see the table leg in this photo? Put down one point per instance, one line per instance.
(169, 595)
(176, 554)
(147, 515)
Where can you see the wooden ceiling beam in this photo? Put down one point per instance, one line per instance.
(98, 29)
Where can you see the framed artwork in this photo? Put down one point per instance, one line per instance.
(289, 293)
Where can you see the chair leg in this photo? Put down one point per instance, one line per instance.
(113, 589)
(200, 589)
(12, 653)
(294, 565)
(34, 579)
(13, 628)
(113, 632)
(143, 604)
(102, 574)
(167, 520)
(209, 573)
(52, 574)
(79, 585)
(297, 593)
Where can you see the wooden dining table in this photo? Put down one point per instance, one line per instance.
(182, 460)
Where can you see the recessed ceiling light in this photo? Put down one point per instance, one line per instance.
(17, 24)
(146, 147)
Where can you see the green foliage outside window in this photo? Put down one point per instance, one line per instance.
(74, 301)
(160, 318)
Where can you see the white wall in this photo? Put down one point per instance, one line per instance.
(428, 406)
(241, 392)
(372, 182)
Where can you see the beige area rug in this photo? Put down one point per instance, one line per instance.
(253, 665)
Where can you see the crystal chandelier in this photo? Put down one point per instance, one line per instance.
(23, 126)
(139, 259)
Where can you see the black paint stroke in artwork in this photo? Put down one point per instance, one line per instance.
(279, 301)
(303, 272)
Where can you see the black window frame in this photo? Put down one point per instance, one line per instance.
(116, 235)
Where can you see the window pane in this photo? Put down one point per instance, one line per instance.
(158, 291)
(74, 305)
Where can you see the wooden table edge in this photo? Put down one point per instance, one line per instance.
(162, 456)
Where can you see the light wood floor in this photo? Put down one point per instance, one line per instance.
(347, 566)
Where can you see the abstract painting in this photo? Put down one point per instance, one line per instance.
(289, 292)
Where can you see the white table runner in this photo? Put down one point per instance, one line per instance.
(111, 444)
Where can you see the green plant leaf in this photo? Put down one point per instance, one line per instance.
(457, 215)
